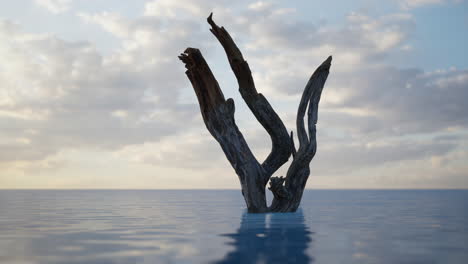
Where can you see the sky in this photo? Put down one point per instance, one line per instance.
(92, 95)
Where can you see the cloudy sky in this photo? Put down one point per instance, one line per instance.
(92, 94)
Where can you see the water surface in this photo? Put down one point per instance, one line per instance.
(332, 226)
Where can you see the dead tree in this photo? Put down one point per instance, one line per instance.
(218, 115)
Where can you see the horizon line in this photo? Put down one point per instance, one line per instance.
(220, 189)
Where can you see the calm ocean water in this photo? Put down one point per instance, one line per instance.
(332, 226)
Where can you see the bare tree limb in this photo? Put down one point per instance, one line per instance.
(204, 83)
(298, 172)
(257, 103)
(218, 116)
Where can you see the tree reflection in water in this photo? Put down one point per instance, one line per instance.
(270, 238)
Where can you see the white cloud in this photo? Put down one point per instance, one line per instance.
(410, 4)
(67, 92)
(111, 22)
(260, 6)
(186, 9)
(55, 6)
(296, 48)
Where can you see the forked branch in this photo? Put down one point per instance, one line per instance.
(218, 115)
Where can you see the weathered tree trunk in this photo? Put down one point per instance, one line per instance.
(218, 115)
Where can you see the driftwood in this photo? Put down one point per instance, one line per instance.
(218, 115)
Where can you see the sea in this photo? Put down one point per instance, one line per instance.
(212, 226)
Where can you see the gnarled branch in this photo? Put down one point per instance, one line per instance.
(204, 83)
(257, 103)
(299, 171)
(218, 115)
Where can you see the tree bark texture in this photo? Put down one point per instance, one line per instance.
(218, 116)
